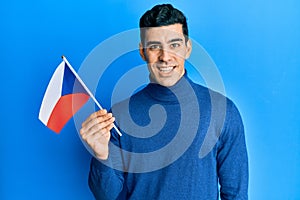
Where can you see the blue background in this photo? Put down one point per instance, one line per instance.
(255, 45)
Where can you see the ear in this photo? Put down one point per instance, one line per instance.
(142, 52)
(188, 49)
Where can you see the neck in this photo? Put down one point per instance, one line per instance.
(169, 94)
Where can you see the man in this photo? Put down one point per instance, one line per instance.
(180, 122)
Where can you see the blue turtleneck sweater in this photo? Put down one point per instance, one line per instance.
(179, 142)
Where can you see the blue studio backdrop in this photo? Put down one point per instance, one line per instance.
(255, 45)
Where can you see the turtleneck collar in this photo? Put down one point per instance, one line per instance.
(168, 94)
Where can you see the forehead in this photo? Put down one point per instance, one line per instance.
(163, 33)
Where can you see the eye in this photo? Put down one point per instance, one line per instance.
(175, 45)
(155, 47)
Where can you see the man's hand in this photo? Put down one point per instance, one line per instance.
(95, 132)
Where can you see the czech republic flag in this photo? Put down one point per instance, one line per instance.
(64, 96)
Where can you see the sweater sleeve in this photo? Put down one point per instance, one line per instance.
(105, 181)
(232, 157)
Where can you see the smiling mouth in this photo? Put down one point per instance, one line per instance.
(166, 69)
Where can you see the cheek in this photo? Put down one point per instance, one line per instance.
(181, 54)
(180, 61)
(152, 58)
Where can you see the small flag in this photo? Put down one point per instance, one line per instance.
(64, 96)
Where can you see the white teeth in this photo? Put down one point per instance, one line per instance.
(165, 69)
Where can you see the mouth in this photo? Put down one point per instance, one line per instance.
(166, 69)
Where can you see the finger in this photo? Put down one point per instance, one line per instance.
(98, 138)
(100, 122)
(102, 127)
(94, 115)
(109, 127)
(97, 120)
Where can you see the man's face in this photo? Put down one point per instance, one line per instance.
(165, 50)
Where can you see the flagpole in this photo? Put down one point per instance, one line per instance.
(86, 88)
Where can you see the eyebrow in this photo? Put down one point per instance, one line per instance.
(152, 42)
(175, 40)
(170, 41)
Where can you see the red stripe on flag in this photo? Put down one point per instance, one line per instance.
(64, 109)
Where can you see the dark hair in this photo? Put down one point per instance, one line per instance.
(163, 15)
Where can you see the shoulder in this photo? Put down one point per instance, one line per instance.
(206, 93)
(211, 98)
(221, 107)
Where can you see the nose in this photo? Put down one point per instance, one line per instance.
(165, 55)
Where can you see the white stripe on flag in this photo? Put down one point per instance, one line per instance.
(52, 94)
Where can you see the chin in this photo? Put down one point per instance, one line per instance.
(167, 83)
